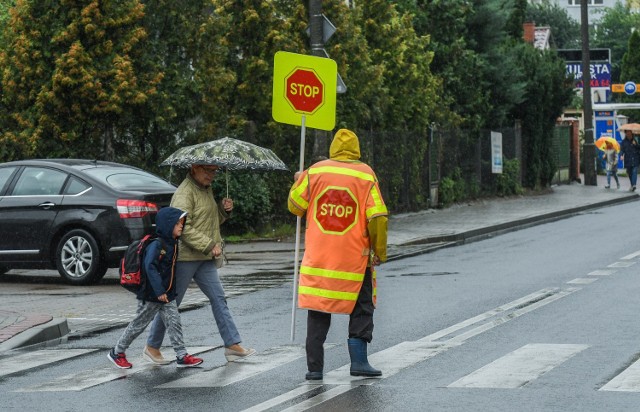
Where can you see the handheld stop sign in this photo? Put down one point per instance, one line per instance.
(304, 86)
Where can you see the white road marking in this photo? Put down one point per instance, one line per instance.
(488, 314)
(602, 272)
(631, 256)
(240, 370)
(393, 359)
(582, 281)
(285, 397)
(627, 381)
(621, 264)
(519, 367)
(19, 363)
(318, 399)
(93, 377)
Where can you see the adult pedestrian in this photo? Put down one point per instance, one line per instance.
(630, 153)
(346, 236)
(200, 247)
(611, 161)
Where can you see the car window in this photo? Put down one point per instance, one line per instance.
(39, 181)
(129, 179)
(5, 174)
(75, 186)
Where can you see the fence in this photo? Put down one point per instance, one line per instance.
(411, 166)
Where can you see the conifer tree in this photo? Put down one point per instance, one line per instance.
(69, 73)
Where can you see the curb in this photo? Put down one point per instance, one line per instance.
(54, 329)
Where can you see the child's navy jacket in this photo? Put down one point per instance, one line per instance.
(160, 256)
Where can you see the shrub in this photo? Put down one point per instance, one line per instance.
(507, 182)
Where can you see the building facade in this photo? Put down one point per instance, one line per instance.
(573, 7)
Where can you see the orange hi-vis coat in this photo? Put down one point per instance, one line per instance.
(340, 198)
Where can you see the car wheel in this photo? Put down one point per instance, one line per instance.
(79, 259)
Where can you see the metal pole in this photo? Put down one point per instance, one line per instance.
(296, 255)
(589, 148)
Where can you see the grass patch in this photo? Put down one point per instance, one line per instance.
(269, 232)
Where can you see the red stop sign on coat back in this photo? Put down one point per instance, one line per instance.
(304, 90)
(336, 210)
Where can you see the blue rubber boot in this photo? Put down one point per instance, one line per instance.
(359, 363)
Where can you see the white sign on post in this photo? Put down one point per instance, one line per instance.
(496, 152)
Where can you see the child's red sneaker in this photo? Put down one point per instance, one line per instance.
(188, 361)
(119, 359)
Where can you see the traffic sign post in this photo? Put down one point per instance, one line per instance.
(304, 94)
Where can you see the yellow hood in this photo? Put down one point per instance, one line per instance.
(345, 146)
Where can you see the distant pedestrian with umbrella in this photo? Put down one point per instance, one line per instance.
(610, 157)
(630, 153)
(200, 250)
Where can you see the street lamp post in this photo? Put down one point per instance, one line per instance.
(589, 148)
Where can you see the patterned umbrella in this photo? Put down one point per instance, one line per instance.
(228, 153)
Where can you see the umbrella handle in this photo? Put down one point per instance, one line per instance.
(227, 173)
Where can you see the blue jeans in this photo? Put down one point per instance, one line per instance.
(613, 173)
(633, 174)
(205, 273)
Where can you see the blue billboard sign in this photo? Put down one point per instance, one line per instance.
(600, 74)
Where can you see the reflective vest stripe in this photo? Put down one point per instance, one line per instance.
(334, 274)
(376, 211)
(321, 282)
(342, 171)
(331, 294)
(379, 208)
(327, 305)
(296, 194)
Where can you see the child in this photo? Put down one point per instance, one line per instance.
(611, 157)
(158, 293)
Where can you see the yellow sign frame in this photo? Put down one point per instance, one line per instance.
(285, 63)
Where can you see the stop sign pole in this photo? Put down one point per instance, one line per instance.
(296, 253)
(304, 94)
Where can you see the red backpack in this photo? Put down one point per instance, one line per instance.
(132, 275)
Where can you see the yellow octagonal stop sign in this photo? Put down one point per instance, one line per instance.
(304, 86)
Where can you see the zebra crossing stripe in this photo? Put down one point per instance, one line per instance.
(582, 281)
(93, 377)
(627, 381)
(601, 272)
(631, 256)
(240, 370)
(318, 399)
(519, 367)
(621, 264)
(19, 363)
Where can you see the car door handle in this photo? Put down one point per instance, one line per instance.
(46, 205)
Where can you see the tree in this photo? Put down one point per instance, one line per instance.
(69, 73)
(613, 31)
(630, 68)
(548, 91)
(185, 44)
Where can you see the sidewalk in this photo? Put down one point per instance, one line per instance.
(410, 234)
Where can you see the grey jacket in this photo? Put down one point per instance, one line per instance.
(202, 231)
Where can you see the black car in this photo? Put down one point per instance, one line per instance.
(75, 215)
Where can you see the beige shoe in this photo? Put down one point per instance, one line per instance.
(233, 355)
(158, 360)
